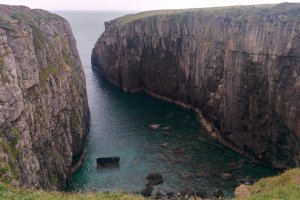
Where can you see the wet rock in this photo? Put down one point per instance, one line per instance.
(218, 194)
(226, 176)
(108, 161)
(154, 127)
(154, 179)
(166, 128)
(179, 150)
(246, 181)
(200, 174)
(186, 175)
(147, 191)
(242, 191)
(166, 133)
(231, 164)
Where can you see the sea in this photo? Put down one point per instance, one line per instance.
(120, 127)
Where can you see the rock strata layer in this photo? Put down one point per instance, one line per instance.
(44, 114)
(238, 66)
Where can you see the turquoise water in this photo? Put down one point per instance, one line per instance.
(120, 127)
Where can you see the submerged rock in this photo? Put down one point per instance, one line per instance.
(179, 150)
(166, 128)
(154, 126)
(226, 176)
(154, 179)
(165, 145)
(108, 161)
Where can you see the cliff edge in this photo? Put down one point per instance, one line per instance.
(44, 114)
(239, 67)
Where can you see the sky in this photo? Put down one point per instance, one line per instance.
(132, 5)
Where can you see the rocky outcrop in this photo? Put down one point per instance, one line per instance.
(238, 66)
(43, 105)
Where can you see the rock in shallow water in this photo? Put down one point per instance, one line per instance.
(154, 127)
(154, 179)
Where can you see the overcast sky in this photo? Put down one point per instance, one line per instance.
(135, 5)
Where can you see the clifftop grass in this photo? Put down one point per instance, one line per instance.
(284, 187)
(238, 12)
(10, 193)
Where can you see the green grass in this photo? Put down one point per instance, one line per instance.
(240, 13)
(10, 193)
(44, 73)
(285, 186)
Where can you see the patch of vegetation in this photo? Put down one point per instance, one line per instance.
(8, 170)
(66, 57)
(44, 73)
(39, 40)
(285, 186)
(1, 64)
(289, 12)
(15, 136)
(7, 193)
(3, 76)
(75, 120)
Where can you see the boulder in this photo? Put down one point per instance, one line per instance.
(108, 161)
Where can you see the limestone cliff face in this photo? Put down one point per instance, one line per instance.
(43, 105)
(239, 66)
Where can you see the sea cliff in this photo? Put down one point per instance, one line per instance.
(239, 67)
(44, 114)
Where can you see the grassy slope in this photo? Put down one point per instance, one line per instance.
(239, 12)
(286, 186)
(10, 193)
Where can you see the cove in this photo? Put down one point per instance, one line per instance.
(120, 127)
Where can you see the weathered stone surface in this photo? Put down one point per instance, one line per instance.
(43, 106)
(242, 191)
(238, 66)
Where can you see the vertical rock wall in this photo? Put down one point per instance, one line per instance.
(239, 66)
(43, 104)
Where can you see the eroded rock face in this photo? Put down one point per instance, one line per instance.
(43, 105)
(239, 66)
